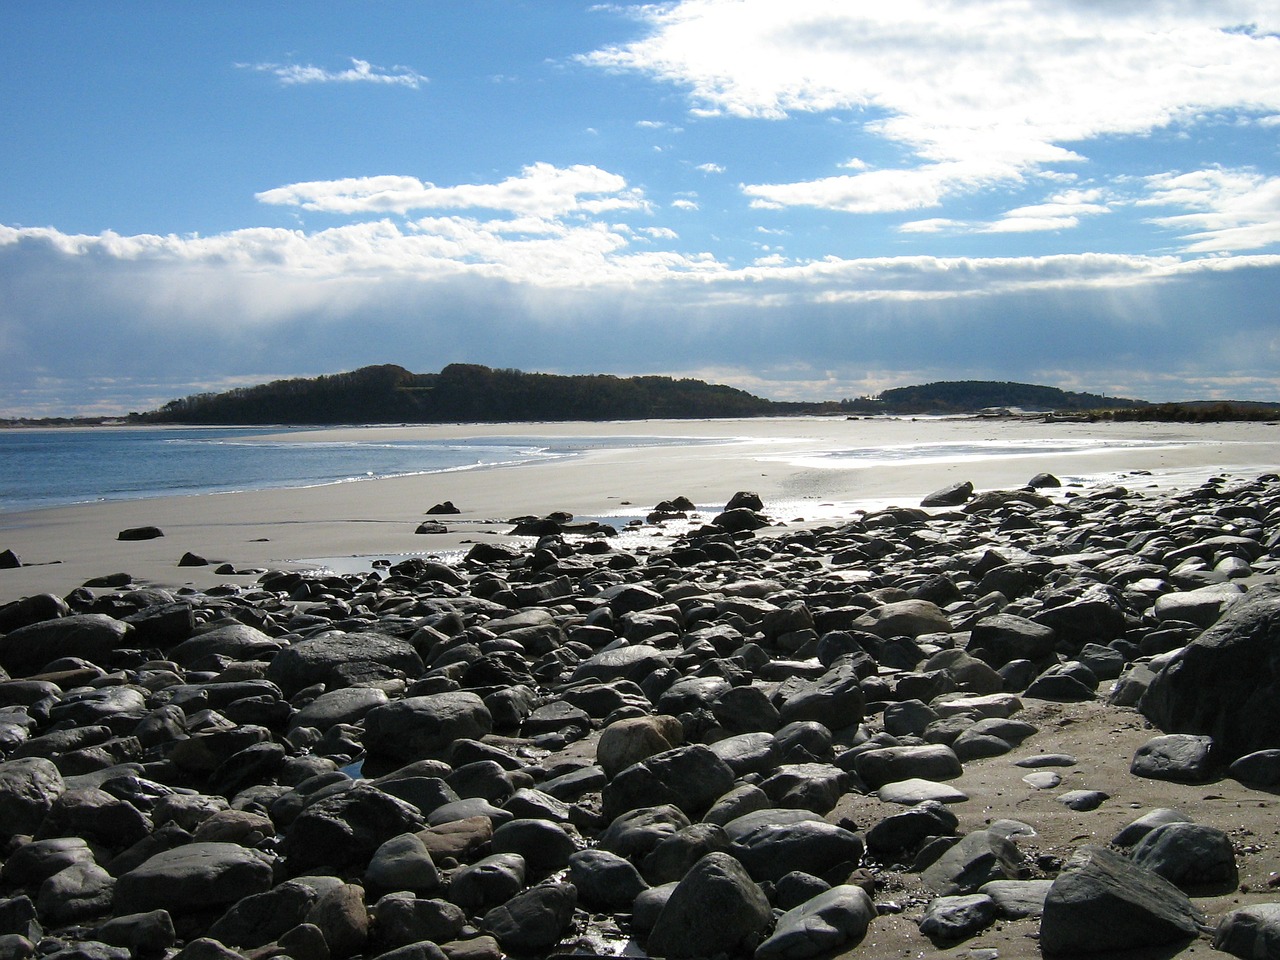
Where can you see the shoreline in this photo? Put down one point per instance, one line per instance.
(787, 461)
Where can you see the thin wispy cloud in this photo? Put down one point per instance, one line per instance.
(360, 71)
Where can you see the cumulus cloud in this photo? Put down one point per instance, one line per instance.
(360, 71)
(1233, 209)
(540, 189)
(980, 91)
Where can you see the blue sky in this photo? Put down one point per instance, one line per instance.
(811, 200)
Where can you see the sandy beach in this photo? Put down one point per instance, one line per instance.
(810, 470)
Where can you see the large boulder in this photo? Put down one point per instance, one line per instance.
(834, 920)
(28, 789)
(339, 659)
(716, 909)
(1226, 683)
(193, 878)
(691, 778)
(419, 727)
(88, 636)
(1102, 901)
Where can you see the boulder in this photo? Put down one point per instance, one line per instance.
(831, 922)
(334, 658)
(1250, 932)
(419, 727)
(716, 909)
(951, 919)
(950, 496)
(1176, 757)
(1225, 684)
(908, 618)
(1189, 855)
(28, 789)
(980, 857)
(191, 878)
(690, 778)
(87, 636)
(534, 921)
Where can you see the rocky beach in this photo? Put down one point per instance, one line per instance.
(975, 707)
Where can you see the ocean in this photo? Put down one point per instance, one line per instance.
(42, 468)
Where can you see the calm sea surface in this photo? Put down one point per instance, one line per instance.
(49, 468)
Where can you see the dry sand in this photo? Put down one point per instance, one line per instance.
(787, 461)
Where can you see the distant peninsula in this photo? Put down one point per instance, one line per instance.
(472, 393)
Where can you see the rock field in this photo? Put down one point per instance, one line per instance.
(1014, 723)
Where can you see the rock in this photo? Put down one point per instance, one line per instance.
(1044, 480)
(74, 894)
(88, 636)
(418, 727)
(628, 741)
(894, 764)
(262, 918)
(143, 934)
(489, 882)
(1258, 769)
(1189, 855)
(1083, 801)
(833, 921)
(341, 915)
(443, 509)
(1139, 828)
(951, 919)
(28, 789)
(545, 846)
(949, 496)
(770, 848)
(9, 560)
(1101, 901)
(916, 791)
(716, 908)
(910, 618)
(347, 828)
(1015, 899)
(334, 658)
(1250, 932)
(903, 832)
(534, 921)
(604, 880)
(1202, 606)
(1177, 757)
(835, 699)
(401, 919)
(140, 533)
(690, 778)
(1224, 684)
(979, 857)
(402, 863)
(195, 877)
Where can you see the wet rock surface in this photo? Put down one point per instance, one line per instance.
(752, 740)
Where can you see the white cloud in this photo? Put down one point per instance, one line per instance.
(683, 204)
(980, 91)
(541, 189)
(360, 71)
(710, 168)
(1235, 209)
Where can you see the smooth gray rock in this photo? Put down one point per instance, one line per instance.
(533, 921)
(951, 919)
(335, 658)
(419, 727)
(914, 791)
(690, 778)
(89, 636)
(769, 851)
(198, 876)
(347, 828)
(1189, 855)
(1176, 757)
(489, 882)
(952, 495)
(262, 918)
(1258, 769)
(235, 641)
(1102, 901)
(1139, 828)
(634, 834)
(1083, 801)
(903, 832)
(545, 846)
(1251, 933)
(75, 893)
(979, 857)
(401, 919)
(1015, 899)
(894, 764)
(401, 863)
(605, 881)
(716, 908)
(835, 920)
(835, 699)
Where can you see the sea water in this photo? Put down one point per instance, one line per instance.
(42, 468)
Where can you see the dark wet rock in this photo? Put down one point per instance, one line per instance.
(797, 887)
(635, 833)
(952, 919)
(401, 919)
(1102, 901)
(545, 846)
(1139, 828)
(347, 828)
(633, 739)
(1258, 769)
(716, 908)
(34, 862)
(97, 816)
(1224, 684)
(140, 533)
(910, 618)
(334, 658)
(672, 858)
(604, 880)
(342, 917)
(91, 636)
(979, 857)
(903, 832)
(489, 882)
(533, 921)
(770, 850)
(402, 863)
(808, 786)
(835, 699)
(147, 934)
(75, 893)
(949, 496)
(195, 877)
(28, 789)
(690, 778)
(748, 753)
(262, 918)
(1177, 757)
(419, 727)
(835, 920)
(1189, 855)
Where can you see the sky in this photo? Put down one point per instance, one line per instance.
(810, 199)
